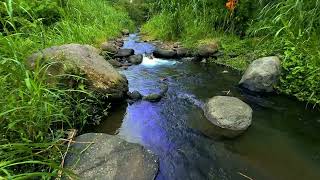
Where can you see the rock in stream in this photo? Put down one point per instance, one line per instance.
(102, 156)
(231, 115)
(262, 75)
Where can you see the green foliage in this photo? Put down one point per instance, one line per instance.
(296, 24)
(289, 29)
(199, 18)
(138, 10)
(13, 18)
(160, 27)
(34, 115)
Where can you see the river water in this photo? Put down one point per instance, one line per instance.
(282, 143)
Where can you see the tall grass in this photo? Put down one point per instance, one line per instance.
(296, 24)
(287, 28)
(183, 18)
(35, 116)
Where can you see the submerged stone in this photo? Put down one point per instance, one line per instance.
(135, 95)
(152, 97)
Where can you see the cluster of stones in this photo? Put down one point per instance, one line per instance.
(230, 115)
(118, 57)
(154, 97)
(177, 51)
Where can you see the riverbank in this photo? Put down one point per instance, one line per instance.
(248, 31)
(38, 118)
(238, 53)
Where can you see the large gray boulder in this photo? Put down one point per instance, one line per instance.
(163, 53)
(262, 74)
(230, 114)
(81, 60)
(102, 156)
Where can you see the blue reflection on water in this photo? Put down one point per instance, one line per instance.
(184, 153)
(138, 47)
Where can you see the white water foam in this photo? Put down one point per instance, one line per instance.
(156, 62)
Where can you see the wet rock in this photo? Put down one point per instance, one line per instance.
(102, 156)
(262, 75)
(183, 52)
(127, 64)
(136, 59)
(125, 32)
(124, 53)
(207, 49)
(134, 95)
(152, 97)
(231, 115)
(162, 53)
(115, 63)
(191, 59)
(164, 89)
(109, 47)
(119, 42)
(81, 60)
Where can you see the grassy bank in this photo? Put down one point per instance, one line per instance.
(286, 28)
(34, 116)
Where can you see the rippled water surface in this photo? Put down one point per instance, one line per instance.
(282, 143)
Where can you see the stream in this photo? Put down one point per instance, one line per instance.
(283, 142)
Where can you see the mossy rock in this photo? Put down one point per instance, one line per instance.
(84, 61)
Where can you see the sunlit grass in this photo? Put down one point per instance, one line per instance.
(35, 115)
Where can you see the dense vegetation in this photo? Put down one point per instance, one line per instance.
(289, 29)
(35, 116)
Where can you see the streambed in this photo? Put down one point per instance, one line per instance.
(282, 143)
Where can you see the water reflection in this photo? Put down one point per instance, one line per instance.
(282, 143)
(138, 47)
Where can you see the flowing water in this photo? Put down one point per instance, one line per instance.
(282, 143)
